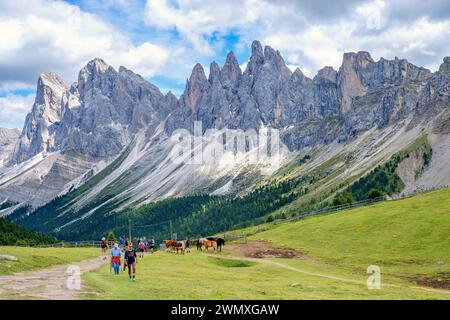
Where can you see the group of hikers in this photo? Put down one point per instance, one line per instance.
(124, 248)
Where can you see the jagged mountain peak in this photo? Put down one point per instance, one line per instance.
(97, 64)
(38, 133)
(257, 50)
(198, 74)
(51, 79)
(361, 58)
(231, 71)
(327, 73)
(214, 72)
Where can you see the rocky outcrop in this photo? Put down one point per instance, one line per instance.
(104, 109)
(41, 124)
(8, 139)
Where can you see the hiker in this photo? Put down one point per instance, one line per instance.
(141, 248)
(104, 246)
(145, 244)
(121, 242)
(152, 245)
(131, 259)
(127, 243)
(115, 258)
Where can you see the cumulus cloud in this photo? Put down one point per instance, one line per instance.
(312, 34)
(41, 35)
(13, 109)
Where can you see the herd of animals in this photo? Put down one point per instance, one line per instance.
(202, 244)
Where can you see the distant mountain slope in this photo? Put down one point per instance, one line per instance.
(104, 144)
(13, 234)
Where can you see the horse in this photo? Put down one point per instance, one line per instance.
(220, 242)
(210, 244)
(200, 243)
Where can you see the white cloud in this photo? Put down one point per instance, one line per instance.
(13, 109)
(196, 20)
(138, 58)
(41, 35)
(301, 32)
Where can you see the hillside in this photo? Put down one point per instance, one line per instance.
(13, 234)
(405, 238)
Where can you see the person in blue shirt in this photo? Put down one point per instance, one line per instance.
(116, 253)
(152, 245)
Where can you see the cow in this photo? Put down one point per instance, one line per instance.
(169, 245)
(179, 245)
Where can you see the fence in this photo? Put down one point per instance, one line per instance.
(70, 244)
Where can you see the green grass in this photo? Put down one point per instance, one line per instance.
(37, 258)
(199, 276)
(405, 238)
(231, 263)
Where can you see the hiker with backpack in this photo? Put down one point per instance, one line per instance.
(141, 248)
(116, 253)
(152, 245)
(104, 246)
(131, 260)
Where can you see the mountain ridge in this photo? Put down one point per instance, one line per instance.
(377, 106)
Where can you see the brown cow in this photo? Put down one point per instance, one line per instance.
(169, 244)
(179, 245)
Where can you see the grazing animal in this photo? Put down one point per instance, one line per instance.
(200, 243)
(210, 244)
(179, 245)
(169, 245)
(220, 242)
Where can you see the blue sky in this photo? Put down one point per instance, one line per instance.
(163, 39)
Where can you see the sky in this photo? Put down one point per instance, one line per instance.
(163, 39)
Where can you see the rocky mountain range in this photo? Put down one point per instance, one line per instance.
(115, 126)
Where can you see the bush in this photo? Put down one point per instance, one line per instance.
(270, 218)
(343, 199)
(374, 194)
(111, 237)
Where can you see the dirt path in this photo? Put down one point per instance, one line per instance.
(258, 250)
(45, 283)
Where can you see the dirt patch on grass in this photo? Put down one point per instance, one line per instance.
(261, 249)
(438, 282)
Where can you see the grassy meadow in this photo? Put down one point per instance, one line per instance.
(30, 258)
